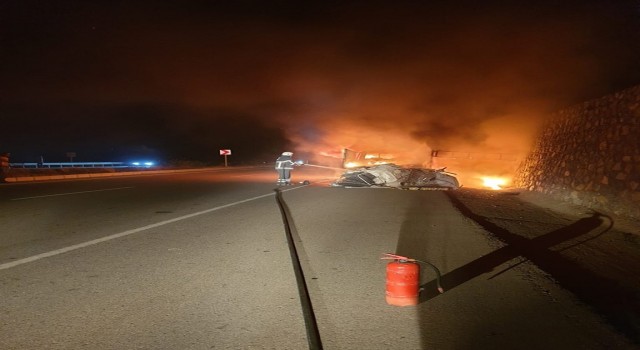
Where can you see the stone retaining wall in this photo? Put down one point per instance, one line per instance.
(590, 155)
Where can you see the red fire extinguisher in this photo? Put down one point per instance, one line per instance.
(403, 280)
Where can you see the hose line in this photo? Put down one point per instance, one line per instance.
(438, 276)
(311, 325)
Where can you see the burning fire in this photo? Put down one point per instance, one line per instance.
(494, 183)
(351, 165)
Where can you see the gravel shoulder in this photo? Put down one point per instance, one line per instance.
(594, 255)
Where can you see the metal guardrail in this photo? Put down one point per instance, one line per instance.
(99, 174)
(71, 165)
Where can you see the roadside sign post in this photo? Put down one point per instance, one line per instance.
(225, 153)
(4, 165)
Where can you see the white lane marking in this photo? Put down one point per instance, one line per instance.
(126, 233)
(70, 193)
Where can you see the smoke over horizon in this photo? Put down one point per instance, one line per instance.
(377, 76)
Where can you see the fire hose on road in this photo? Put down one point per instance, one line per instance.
(311, 325)
(323, 167)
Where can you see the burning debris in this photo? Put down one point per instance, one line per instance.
(391, 175)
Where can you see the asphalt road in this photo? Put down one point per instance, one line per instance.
(200, 261)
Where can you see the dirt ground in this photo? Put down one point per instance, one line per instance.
(594, 255)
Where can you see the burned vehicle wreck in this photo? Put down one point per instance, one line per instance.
(394, 176)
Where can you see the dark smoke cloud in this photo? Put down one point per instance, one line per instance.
(181, 79)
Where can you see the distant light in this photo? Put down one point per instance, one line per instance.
(146, 164)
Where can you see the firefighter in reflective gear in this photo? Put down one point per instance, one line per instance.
(284, 164)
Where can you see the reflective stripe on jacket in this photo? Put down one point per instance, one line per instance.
(284, 162)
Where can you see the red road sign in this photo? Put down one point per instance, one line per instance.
(225, 152)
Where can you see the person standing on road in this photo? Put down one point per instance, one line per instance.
(284, 165)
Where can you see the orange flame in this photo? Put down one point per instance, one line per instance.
(494, 183)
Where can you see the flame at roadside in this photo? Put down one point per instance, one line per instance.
(325, 143)
(496, 155)
(494, 183)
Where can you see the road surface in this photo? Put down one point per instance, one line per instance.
(200, 261)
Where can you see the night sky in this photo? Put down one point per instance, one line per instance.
(177, 81)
